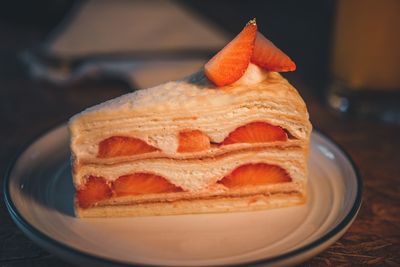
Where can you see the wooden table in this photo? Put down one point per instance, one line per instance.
(27, 108)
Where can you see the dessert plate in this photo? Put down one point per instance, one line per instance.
(39, 196)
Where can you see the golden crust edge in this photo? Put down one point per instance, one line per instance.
(198, 206)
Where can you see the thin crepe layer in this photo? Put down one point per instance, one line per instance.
(214, 151)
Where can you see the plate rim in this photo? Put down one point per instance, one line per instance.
(26, 227)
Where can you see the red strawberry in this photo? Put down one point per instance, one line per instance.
(192, 141)
(123, 146)
(255, 132)
(229, 64)
(255, 174)
(95, 189)
(269, 57)
(143, 183)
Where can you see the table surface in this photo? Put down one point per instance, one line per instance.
(28, 107)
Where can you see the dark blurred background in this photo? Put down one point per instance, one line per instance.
(33, 98)
(303, 29)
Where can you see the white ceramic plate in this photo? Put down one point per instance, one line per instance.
(39, 196)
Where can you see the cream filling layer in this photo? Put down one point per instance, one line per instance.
(196, 175)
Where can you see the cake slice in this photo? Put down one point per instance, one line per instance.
(232, 137)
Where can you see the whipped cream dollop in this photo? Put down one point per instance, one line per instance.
(253, 75)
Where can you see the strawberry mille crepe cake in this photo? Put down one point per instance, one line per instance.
(232, 137)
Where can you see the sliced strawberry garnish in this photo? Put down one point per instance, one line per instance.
(255, 174)
(123, 146)
(255, 132)
(94, 190)
(229, 64)
(193, 141)
(143, 183)
(269, 57)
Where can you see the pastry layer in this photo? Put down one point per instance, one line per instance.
(157, 115)
(200, 205)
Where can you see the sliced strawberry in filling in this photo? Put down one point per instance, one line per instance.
(97, 189)
(116, 146)
(94, 190)
(256, 132)
(143, 183)
(193, 141)
(255, 174)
